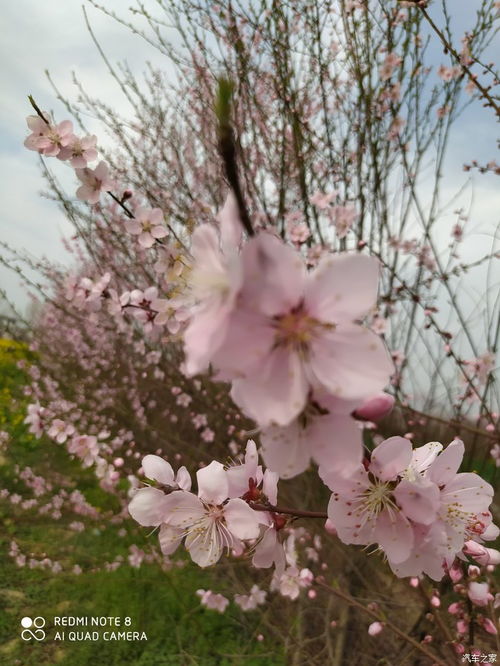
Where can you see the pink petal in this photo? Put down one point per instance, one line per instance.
(230, 224)
(205, 546)
(158, 469)
(350, 362)
(391, 458)
(241, 520)
(159, 232)
(249, 331)
(183, 509)
(335, 440)
(468, 492)
(212, 483)
(148, 507)
(285, 449)
(424, 456)
(274, 275)
(183, 478)
(419, 501)
(270, 486)
(133, 227)
(101, 171)
(170, 538)
(446, 465)
(277, 394)
(343, 287)
(395, 535)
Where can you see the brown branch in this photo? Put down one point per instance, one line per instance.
(378, 617)
(484, 91)
(299, 513)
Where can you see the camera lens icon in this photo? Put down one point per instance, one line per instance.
(37, 632)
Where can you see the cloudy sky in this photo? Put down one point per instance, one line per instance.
(49, 35)
(52, 35)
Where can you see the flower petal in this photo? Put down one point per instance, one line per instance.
(149, 507)
(394, 534)
(170, 538)
(158, 469)
(343, 287)
(419, 501)
(391, 458)
(277, 394)
(350, 362)
(212, 483)
(241, 520)
(446, 465)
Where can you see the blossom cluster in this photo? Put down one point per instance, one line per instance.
(289, 340)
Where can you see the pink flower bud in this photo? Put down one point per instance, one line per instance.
(455, 572)
(473, 571)
(479, 593)
(414, 582)
(375, 628)
(455, 608)
(489, 626)
(494, 556)
(118, 462)
(374, 408)
(330, 527)
(435, 601)
(477, 551)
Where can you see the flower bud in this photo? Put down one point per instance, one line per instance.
(374, 408)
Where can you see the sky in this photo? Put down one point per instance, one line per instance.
(52, 35)
(39, 36)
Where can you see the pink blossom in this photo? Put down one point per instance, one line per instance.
(160, 470)
(342, 218)
(94, 182)
(35, 419)
(269, 550)
(299, 332)
(148, 224)
(448, 73)
(488, 626)
(214, 283)
(46, 138)
(213, 601)
(208, 522)
(207, 435)
(392, 60)
(479, 593)
(86, 448)
(375, 628)
(60, 431)
(299, 233)
(79, 151)
(462, 512)
(290, 582)
(375, 408)
(322, 200)
(251, 601)
(364, 506)
(324, 431)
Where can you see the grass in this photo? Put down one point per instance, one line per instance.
(163, 604)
